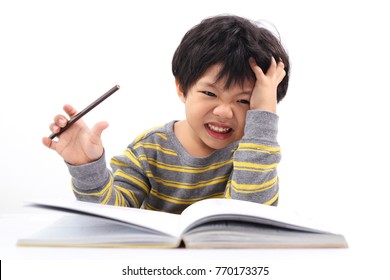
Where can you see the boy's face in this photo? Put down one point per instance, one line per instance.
(215, 117)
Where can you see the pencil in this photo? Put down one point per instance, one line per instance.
(85, 111)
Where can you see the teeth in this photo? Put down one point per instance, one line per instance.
(219, 129)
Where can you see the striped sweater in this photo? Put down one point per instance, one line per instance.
(155, 171)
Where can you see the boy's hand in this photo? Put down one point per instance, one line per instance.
(78, 145)
(264, 92)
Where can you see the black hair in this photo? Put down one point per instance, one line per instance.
(230, 41)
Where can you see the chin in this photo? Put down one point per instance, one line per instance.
(218, 146)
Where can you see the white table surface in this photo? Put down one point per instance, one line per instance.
(362, 261)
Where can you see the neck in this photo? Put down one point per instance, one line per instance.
(191, 142)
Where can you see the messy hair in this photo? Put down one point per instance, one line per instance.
(230, 41)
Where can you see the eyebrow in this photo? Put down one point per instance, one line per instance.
(213, 85)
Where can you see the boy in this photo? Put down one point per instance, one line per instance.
(230, 74)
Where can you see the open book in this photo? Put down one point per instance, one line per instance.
(210, 223)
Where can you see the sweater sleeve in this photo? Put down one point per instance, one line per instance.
(124, 185)
(254, 177)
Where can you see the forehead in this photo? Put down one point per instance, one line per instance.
(210, 78)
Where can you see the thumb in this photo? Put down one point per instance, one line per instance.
(98, 129)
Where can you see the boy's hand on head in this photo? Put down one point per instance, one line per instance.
(264, 94)
(78, 145)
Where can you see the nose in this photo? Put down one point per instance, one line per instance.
(223, 111)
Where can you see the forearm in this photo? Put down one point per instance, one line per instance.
(91, 182)
(126, 185)
(254, 176)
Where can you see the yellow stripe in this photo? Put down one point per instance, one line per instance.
(258, 151)
(116, 162)
(162, 135)
(156, 147)
(252, 170)
(251, 188)
(132, 179)
(227, 191)
(130, 155)
(130, 194)
(184, 169)
(100, 193)
(146, 133)
(258, 147)
(150, 207)
(250, 165)
(177, 200)
(188, 186)
(272, 200)
(108, 196)
(117, 197)
(121, 198)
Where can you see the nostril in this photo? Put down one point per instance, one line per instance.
(224, 111)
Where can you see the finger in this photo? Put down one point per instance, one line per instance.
(98, 129)
(256, 68)
(70, 110)
(281, 73)
(280, 64)
(60, 120)
(54, 128)
(272, 67)
(49, 143)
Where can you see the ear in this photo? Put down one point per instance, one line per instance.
(179, 91)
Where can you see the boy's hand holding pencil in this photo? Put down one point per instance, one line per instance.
(77, 144)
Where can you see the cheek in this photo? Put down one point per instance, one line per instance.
(240, 113)
(241, 120)
(194, 113)
(198, 109)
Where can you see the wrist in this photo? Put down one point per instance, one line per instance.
(84, 159)
(269, 106)
(262, 126)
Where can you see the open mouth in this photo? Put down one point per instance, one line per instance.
(218, 131)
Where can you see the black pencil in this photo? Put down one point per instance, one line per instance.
(85, 111)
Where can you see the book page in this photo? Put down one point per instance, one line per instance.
(234, 234)
(162, 222)
(74, 230)
(229, 209)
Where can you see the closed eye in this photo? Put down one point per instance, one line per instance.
(243, 101)
(208, 93)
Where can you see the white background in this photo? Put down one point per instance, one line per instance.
(333, 122)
